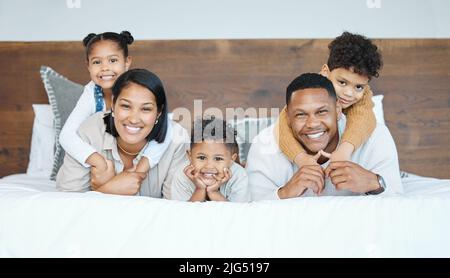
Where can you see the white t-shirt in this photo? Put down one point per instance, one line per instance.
(80, 150)
(269, 169)
(235, 189)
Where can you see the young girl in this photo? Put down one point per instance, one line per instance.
(213, 173)
(352, 62)
(107, 58)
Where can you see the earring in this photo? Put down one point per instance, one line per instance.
(156, 122)
(112, 113)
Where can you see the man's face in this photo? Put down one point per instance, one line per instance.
(313, 116)
(349, 86)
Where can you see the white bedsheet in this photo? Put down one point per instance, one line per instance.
(37, 221)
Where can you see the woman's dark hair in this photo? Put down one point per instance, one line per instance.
(123, 40)
(310, 81)
(147, 80)
(353, 51)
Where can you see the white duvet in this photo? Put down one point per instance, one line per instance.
(37, 221)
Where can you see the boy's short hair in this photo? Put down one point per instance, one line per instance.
(211, 128)
(356, 52)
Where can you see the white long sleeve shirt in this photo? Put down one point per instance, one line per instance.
(269, 169)
(80, 150)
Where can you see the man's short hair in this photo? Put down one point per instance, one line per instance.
(211, 128)
(356, 52)
(310, 81)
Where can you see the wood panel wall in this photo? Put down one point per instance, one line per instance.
(244, 73)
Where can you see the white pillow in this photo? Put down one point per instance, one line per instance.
(246, 131)
(42, 142)
(378, 108)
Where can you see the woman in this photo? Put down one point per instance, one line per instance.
(139, 115)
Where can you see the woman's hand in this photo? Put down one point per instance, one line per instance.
(126, 183)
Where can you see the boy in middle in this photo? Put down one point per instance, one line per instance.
(213, 174)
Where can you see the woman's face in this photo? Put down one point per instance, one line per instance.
(135, 113)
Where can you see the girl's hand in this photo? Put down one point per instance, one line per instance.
(126, 183)
(97, 160)
(143, 165)
(101, 175)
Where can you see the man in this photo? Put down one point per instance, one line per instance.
(315, 117)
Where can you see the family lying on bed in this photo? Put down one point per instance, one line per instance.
(119, 139)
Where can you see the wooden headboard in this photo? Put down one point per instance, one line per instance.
(244, 73)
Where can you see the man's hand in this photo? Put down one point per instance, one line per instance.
(346, 175)
(308, 176)
(100, 175)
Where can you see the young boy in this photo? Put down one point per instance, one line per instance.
(213, 174)
(352, 63)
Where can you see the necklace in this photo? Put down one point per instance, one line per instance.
(132, 154)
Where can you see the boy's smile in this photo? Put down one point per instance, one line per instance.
(209, 159)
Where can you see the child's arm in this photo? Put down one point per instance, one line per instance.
(69, 139)
(360, 124)
(288, 144)
(199, 195)
(184, 188)
(154, 151)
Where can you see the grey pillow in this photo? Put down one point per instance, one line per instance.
(63, 95)
(246, 130)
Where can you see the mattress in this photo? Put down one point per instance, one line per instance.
(38, 221)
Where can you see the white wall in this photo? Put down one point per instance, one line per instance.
(48, 20)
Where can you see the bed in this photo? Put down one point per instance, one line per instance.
(38, 221)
